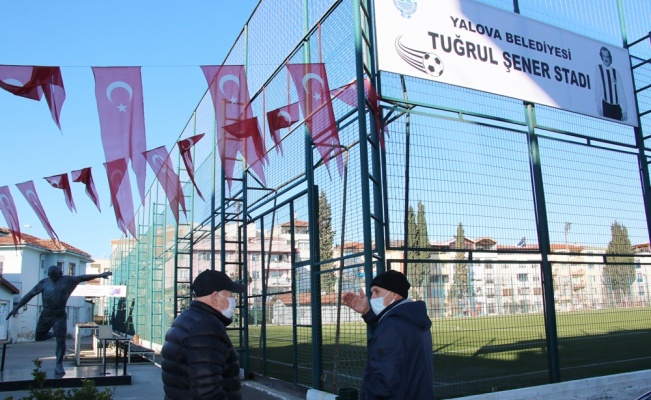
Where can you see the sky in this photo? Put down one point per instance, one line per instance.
(170, 40)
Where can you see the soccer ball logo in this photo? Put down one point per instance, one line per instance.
(433, 64)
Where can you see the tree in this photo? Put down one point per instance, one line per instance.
(417, 241)
(326, 239)
(460, 289)
(619, 276)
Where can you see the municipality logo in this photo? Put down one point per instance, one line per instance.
(406, 7)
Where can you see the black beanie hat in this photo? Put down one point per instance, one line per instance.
(393, 281)
(210, 281)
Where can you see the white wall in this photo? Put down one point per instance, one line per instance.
(24, 269)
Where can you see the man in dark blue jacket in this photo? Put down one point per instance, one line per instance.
(199, 361)
(399, 363)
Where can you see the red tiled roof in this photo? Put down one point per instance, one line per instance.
(296, 223)
(46, 244)
(13, 289)
(305, 299)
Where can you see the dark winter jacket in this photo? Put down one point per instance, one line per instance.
(199, 361)
(400, 361)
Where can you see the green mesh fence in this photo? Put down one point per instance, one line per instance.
(457, 164)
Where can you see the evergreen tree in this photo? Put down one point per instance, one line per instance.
(326, 239)
(412, 243)
(619, 277)
(417, 238)
(459, 291)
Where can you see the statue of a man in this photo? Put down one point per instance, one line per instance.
(56, 290)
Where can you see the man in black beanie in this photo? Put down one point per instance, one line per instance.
(199, 361)
(400, 362)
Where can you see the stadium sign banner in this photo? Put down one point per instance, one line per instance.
(100, 291)
(469, 44)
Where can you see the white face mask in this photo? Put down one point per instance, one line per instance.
(230, 311)
(377, 304)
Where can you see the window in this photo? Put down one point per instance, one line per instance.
(490, 279)
(489, 266)
(507, 292)
(71, 269)
(640, 278)
(537, 291)
(523, 277)
(183, 275)
(2, 261)
(524, 291)
(204, 255)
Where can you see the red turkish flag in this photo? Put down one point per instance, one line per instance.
(85, 176)
(29, 191)
(122, 117)
(61, 182)
(283, 117)
(8, 208)
(247, 133)
(311, 84)
(348, 94)
(31, 82)
(121, 199)
(184, 148)
(230, 96)
(160, 163)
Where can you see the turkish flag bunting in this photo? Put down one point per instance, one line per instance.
(85, 176)
(280, 118)
(348, 94)
(8, 208)
(230, 96)
(120, 186)
(185, 146)
(31, 82)
(62, 182)
(245, 135)
(29, 191)
(313, 92)
(160, 163)
(118, 91)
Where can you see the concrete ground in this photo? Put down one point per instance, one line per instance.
(146, 381)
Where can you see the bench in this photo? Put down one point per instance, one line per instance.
(134, 349)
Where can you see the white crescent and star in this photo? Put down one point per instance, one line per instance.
(285, 115)
(7, 203)
(226, 78)
(13, 81)
(158, 162)
(55, 182)
(31, 196)
(119, 84)
(316, 77)
(117, 182)
(186, 144)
